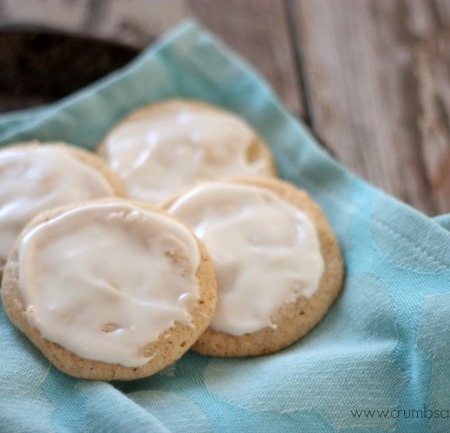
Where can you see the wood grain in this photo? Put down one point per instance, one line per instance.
(259, 31)
(378, 83)
(370, 77)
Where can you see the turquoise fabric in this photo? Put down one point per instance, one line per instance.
(383, 347)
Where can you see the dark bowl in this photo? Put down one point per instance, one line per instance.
(40, 65)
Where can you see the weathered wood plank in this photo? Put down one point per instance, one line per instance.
(259, 31)
(56, 13)
(134, 22)
(379, 91)
(376, 74)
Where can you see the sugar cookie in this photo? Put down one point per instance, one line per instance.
(35, 177)
(109, 289)
(161, 148)
(278, 263)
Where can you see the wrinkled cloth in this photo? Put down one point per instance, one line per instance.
(378, 362)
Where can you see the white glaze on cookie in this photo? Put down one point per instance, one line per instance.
(266, 252)
(156, 153)
(37, 178)
(106, 279)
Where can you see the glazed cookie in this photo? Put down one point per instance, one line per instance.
(278, 264)
(163, 147)
(109, 289)
(35, 177)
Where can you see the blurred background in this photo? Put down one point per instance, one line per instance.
(371, 78)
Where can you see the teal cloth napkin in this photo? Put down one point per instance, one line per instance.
(378, 362)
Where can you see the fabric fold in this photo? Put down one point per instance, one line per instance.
(378, 353)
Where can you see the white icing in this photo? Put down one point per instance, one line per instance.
(266, 252)
(157, 153)
(104, 280)
(37, 178)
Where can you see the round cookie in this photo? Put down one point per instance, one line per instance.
(37, 176)
(102, 315)
(163, 147)
(237, 328)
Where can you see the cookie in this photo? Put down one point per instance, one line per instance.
(161, 148)
(36, 177)
(109, 289)
(278, 264)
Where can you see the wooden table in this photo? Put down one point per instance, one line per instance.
(371, 78)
